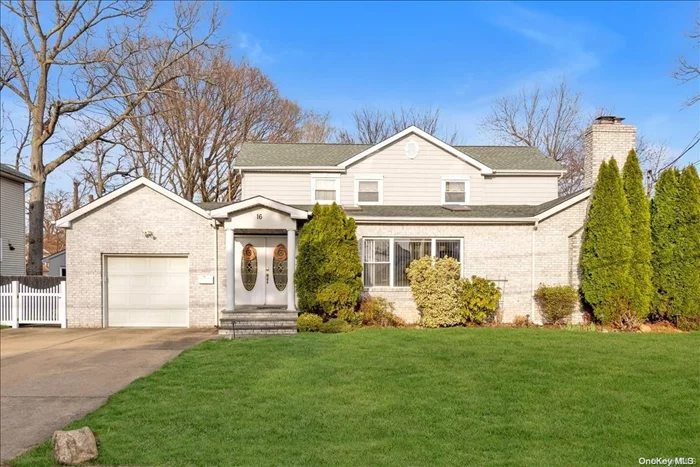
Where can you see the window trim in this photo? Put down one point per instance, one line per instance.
(62, 271)
(392, 246)
(380, 187)
(315, 177)
(455, 179)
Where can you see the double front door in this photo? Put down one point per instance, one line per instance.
(261, 270)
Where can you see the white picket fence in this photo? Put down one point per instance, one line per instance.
(22, 304)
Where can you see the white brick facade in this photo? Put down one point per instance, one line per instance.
(606, 138)
(117, 229)
(502, 253)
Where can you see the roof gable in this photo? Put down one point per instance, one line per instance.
(331, 156)
(412, 130)
(66, 221)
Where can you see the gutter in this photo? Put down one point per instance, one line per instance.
(301, 169)
(444, 220)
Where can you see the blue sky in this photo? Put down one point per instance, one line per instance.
(338, 57)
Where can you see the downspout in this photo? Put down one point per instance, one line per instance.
(533, 282)
(216, 274)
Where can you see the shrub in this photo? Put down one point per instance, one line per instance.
(377, 311)
(556, 302)
(689, 245)
(606, 252)
(309, 322)
(328, 276)
(435, 287)
(335, 326)
(640, 225)
(478, 299)
(665, 216)
(521, 321)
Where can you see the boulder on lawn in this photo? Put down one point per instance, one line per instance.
(645, 328)
(74, 447)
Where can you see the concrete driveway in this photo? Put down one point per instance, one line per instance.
(49, 376)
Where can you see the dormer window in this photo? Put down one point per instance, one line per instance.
(325, 188)
(455, 190)
(368, 190)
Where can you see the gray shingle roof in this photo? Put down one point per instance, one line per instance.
(437, 211)
(322, 155)
(15, 174)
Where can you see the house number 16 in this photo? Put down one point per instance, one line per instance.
(259, 216)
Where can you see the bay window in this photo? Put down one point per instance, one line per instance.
(385, 259)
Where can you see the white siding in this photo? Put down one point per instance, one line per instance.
(411, 181)
(288, 188)
(520, 190)
(12, 227)
(407, 181)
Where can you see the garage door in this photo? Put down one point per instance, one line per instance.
(147, 291)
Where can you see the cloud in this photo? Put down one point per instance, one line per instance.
(252, 49)
(575, 47)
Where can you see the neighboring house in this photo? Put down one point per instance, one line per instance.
(12, 221)
(56, 264)
(143, 256)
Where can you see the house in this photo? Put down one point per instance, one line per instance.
(55, 264)
(12, 221)
(143, 256)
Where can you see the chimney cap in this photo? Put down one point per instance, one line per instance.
(608, 120)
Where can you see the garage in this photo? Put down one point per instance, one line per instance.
(148, 291)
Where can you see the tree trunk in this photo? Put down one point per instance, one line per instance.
(36, 213)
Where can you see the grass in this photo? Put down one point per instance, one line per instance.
(512, 397)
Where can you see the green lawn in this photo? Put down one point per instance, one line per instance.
(517, 397)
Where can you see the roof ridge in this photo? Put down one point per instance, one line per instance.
(317, 144)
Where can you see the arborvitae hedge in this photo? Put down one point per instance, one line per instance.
(666, 248)
(606, 252)
(689, 240)
(328, 276)
(640, 223)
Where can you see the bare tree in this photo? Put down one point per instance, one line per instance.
(66, 62)
(371, 125)
(100, 167)
(58, 204)
(550, 121)
(316, 128)
(653, 158)
(689, 69)
(190, 136)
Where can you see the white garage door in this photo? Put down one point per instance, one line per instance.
(147, 291)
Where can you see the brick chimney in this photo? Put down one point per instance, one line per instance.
(607, 137)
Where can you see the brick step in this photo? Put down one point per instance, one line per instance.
(263, 325)
(261, 321)
(260, 315)
(245, 333)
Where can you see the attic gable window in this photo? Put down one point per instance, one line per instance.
(455, 190)
(325, 188)
(369, 190)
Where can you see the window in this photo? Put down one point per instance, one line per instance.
(62, 271)
(324, 189)
(455, 190)
(406, 251)
(385, 260)
(376, 262)
(368, 190)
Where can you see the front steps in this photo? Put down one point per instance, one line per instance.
(253, 321)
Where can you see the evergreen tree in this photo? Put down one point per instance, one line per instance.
(665, 214)
(606, 252)
(640, 226)
(689, 245)
(329, 271)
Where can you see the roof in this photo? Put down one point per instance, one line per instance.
(50, 257)
(329, 154)
(10, 172)
(492, 211)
